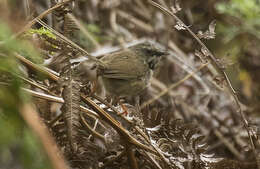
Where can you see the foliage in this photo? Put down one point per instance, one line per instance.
(246, 12)
(18, 146)
(90, 131)
(42, 31)
(240, 34)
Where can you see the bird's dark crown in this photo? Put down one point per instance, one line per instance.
(148, 49)
(149, 52)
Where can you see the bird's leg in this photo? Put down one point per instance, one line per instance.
(137, 103)
(94, 86)
(125, 112)
(108, 99)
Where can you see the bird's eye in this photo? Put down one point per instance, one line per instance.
(154, 52)
(152, 62)
(152, 65)
(148, 51)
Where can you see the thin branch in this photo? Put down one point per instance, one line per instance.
(112, 108)
(33, 83)
(93, 132)
(36, 67)
(44, 96)
(53, 121)
(31, 23)
(69, 42)
(135, 127)
(232, 149)
(152, 160)
(116, 125)
(55, 99)
(218, 66)
(121, 154)
(173, 86)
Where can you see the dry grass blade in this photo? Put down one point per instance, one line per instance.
(229, 145)
(96, 134)
(68, 41)
(44, 96)
(36, 67)
(172, 86)
(33, 120)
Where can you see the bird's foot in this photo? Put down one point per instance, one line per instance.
(93, 88)
(125, 112)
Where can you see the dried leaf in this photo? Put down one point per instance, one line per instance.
(225, 62)
(210, 33)
(205, 51)
(212, 27)
(220, 81)
(180, 26)
(176, 6)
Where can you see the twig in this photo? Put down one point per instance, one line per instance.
(152, 160)
(114, 159)
(135, 127)
(89, 112)
(33, 83)
(36, 67)
(112, 20)
(142, 10)
(116, 125)
(69, 42)
(173, 86)
(93, 132)
(112, 108)
(215, 62)
(53, 121)
(232, 149)
(44, 96)
(31, 23)
(56, 99)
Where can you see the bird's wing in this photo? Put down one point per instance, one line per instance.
(133, 66)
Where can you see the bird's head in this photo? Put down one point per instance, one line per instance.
(150, 52)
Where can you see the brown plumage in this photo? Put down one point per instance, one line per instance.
(128, 72)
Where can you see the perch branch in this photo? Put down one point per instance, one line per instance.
(218, 66)
(116, 125)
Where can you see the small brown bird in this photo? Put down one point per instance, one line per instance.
(128, 72)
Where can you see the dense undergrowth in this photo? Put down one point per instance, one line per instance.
(200, 111)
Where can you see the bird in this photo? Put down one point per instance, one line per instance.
(128, 72)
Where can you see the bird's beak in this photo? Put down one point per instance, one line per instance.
(162, 53)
